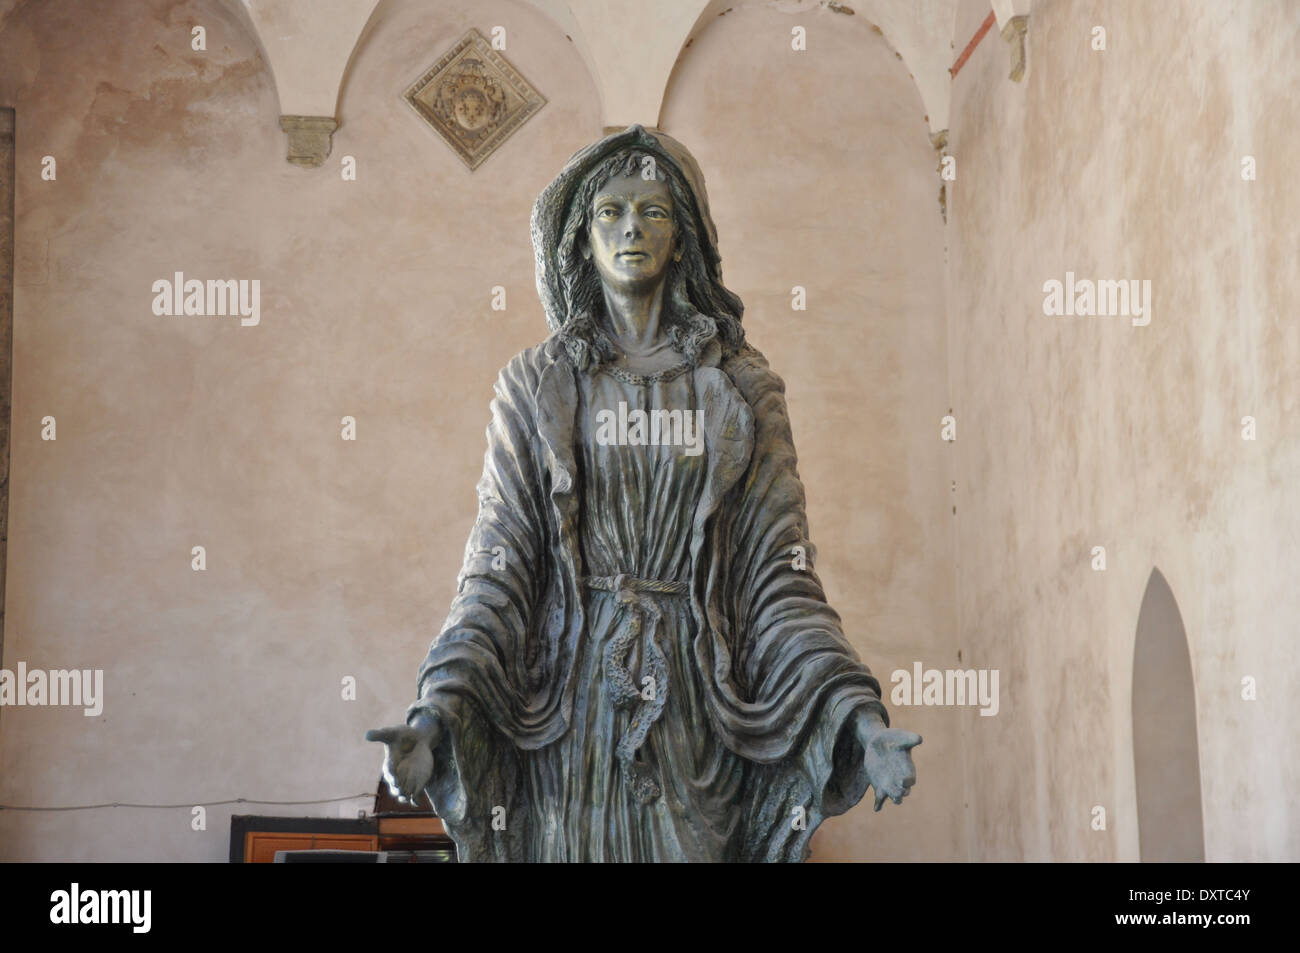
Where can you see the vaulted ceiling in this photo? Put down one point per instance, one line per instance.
(630, 47)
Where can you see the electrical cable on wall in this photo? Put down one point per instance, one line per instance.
(189, 804)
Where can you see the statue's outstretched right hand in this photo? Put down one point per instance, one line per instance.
(408, 765)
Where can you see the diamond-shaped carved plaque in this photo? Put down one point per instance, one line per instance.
(473, 98)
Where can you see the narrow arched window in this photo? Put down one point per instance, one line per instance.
(1165, 752)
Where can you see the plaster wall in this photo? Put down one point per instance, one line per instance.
(1076, 432)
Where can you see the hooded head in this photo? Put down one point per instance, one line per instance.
(698, 308)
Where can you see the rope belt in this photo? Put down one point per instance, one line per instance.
(636, 596)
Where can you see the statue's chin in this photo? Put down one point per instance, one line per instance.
(624, 280)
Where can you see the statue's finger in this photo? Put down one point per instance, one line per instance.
(385, 735)
(411, 784)
(880, 800)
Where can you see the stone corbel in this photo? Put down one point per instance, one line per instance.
(309, 138)
(1014, 33)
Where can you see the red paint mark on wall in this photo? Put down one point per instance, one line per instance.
(974, 42)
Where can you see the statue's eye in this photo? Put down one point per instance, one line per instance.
(655, 211)
(607, 212)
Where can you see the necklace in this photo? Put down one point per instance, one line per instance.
(631, 377)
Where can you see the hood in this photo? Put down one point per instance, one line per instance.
(552, 207)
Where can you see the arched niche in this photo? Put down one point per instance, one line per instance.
(1167, 763)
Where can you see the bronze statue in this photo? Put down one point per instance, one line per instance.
(637, 664)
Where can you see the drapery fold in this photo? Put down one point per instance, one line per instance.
(782, 681)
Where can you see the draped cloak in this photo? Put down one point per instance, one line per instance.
(779, 682)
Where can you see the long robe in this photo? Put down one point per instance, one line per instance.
(759, 682)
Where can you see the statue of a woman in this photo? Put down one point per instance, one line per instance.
(639, 663)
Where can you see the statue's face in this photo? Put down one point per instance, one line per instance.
(631, 234)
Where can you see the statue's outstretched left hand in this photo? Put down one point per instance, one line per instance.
(888, 759)
(408, 761)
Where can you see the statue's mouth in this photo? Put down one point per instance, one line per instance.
(635, 255)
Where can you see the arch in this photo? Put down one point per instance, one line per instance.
(557, 14)
(1165, 751)
(308, 47)
(629, 48)
(633, 68)
(920, 34)
(240, 13)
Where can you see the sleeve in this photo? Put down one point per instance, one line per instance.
(800, 679)
(791, 637)
(482, 650)
(477, 676)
